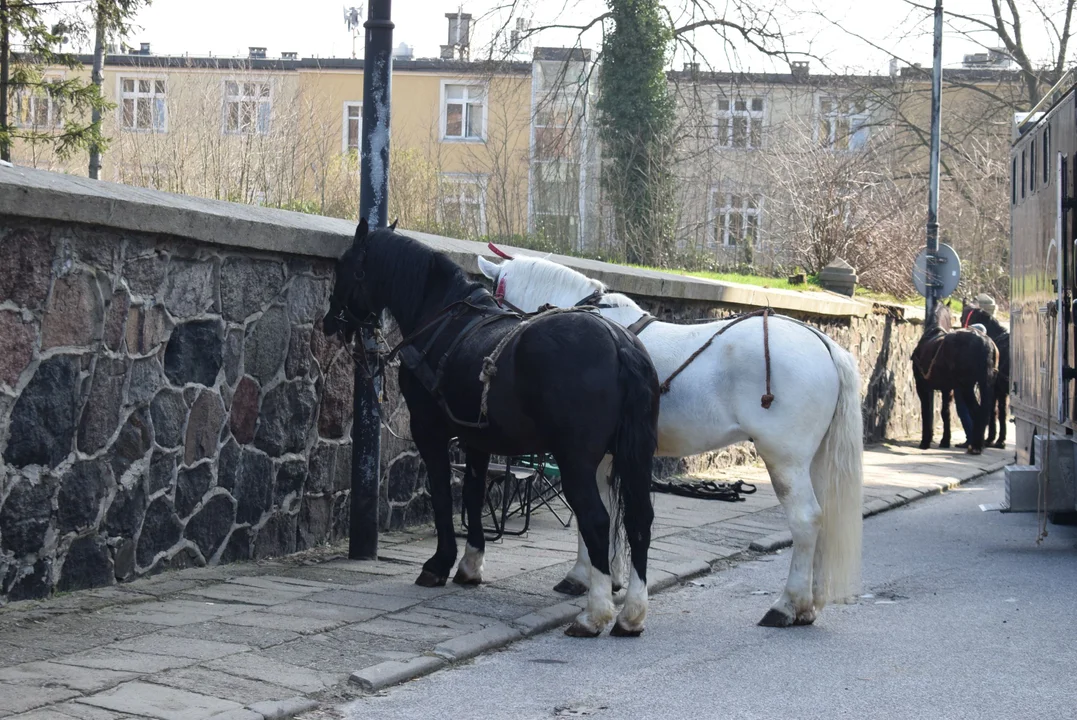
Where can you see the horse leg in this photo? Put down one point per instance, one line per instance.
(1002, 399)
(575, 582)
(927, 418)
(792, 484)
(946, 397)
(594, 525)
(638, 516)
(432, 439)
(469, 572)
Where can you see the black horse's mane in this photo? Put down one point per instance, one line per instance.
(994, 327)
(411, 277)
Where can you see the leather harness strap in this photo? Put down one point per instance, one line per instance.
(640, 325)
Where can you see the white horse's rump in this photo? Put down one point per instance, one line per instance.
(810, 438)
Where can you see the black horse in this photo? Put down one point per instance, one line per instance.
(569, 383)
(971, 315)
(958, 361)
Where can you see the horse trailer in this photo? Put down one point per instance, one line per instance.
(1043, 285)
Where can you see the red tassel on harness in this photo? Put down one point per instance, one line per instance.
(498, 251)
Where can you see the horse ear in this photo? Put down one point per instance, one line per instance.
(489, 269)
(393, 226)
(361, 231)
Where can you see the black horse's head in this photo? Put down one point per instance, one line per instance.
(350, 305)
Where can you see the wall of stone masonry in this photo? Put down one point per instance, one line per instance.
(162, 404)
(168, 401)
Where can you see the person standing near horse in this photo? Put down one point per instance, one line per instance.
(982, 313)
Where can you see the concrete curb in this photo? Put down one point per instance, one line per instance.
(470, 645)
(393, 672)
(784, 539)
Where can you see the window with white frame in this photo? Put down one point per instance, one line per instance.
(142, 104)
(842, 123)
(740, 122)
(39, 108)
(734, 220)
(463, 112)
(353, 126)
(247, 106)
(462, 204)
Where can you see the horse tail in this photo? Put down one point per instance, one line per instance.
(837, 475)
(634, 444)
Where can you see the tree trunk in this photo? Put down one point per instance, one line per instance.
(97, 78)
(5, 73)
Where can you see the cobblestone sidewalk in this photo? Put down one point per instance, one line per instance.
(272, 639)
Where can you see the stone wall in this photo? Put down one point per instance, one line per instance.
(162, 403)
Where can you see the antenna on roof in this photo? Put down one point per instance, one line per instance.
(353, 20)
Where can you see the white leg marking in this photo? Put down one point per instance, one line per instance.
(600, 608)
(471, 565)
(635, 610)
(581, 571)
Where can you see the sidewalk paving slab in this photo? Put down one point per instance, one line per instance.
(268, 639)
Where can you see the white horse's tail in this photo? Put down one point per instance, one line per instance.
(837, 475)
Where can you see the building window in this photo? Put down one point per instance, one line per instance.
(142, 104)
(353, 126)
(1032, 166)
(464, 112)
(1047, 155)
(740, 122)
(843, 124)
(734, 220)
(462, 205)
(247, 106)
(39, 108)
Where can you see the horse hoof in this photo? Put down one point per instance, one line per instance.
(429, 579)
(805, 619)
(776, 618)
(619, 630)
(1000, 444)
(569, 586)
(925, 445)
(945, 444)
(461, 579)
(975, 451)
(578, 629)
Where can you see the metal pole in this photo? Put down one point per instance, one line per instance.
(373, 205)
(933, 185)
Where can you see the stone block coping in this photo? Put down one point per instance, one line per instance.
(31, 193)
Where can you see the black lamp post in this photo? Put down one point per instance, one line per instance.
(374, 206)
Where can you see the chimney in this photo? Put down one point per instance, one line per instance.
(799, 69)
(459, 41)
(144, 49)
(257, 53)
(893, 68)
(289, 56)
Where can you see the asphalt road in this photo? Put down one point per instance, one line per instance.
(968, 619)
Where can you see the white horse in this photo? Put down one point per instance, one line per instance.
(811, 437)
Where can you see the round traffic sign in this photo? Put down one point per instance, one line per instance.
(948, 269)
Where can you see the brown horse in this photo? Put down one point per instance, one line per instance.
(959, 361)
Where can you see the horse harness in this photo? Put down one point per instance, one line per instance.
(415, 358)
